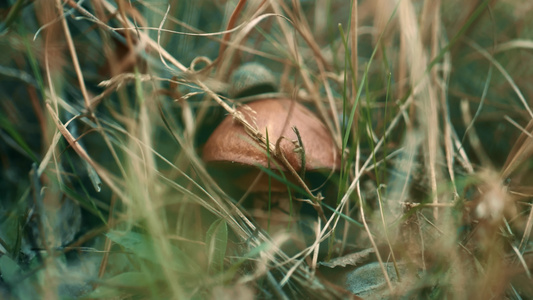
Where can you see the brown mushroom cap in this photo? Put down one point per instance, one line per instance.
(230, 142)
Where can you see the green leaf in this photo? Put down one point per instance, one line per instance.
(9, 269)
(10, 234)
(104, 292)
(216, 241)
(142, 246)
(132, 279)
(122, 284)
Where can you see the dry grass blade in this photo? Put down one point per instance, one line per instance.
(522, 150)
(502, 70)
(108, 178)
(423, 92)
(73, 54)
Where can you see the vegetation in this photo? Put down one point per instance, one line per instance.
(106, 106)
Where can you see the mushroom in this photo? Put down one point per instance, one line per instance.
(230, 147)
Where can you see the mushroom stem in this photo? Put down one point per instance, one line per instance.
(315, 200)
